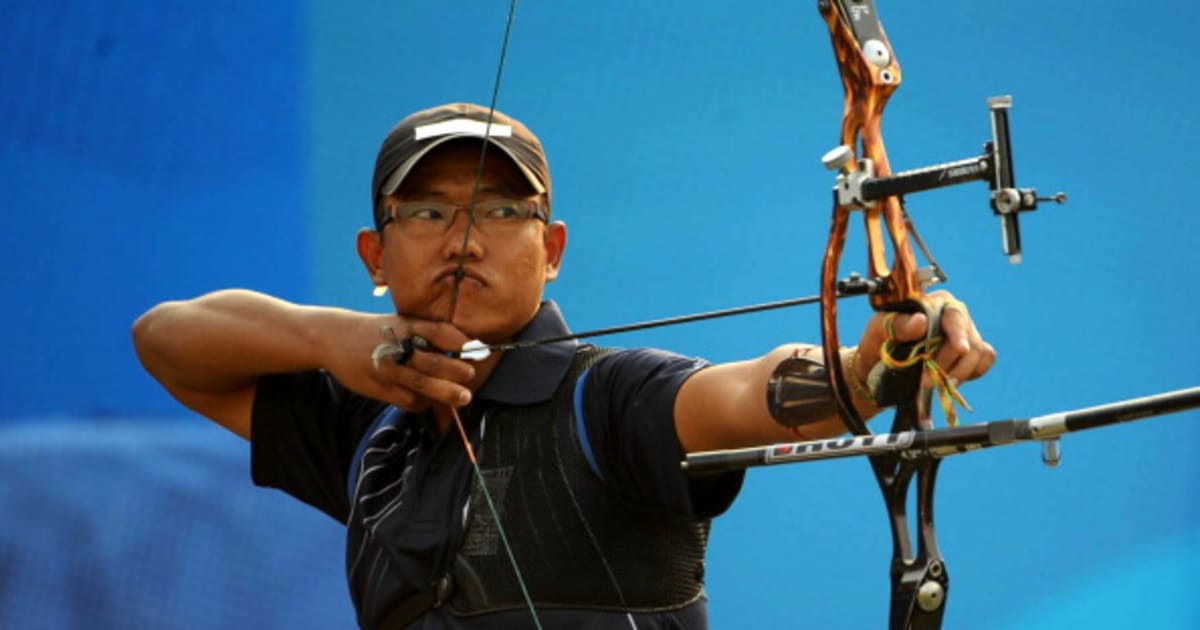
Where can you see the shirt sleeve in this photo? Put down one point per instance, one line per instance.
(304, 431)
(628, 406)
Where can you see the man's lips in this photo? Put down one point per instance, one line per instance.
(467, 275)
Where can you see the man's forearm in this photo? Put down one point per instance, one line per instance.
(225, 340)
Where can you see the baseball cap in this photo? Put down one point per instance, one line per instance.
(418, 134)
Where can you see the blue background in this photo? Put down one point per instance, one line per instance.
(153, 151)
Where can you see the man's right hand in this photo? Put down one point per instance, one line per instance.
(425, 378)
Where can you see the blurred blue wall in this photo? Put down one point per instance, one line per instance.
(140, 143)
(148, 151)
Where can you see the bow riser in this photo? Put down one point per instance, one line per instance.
(870, 75)
(902, 289)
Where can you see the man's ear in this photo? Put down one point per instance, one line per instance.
(370, 250)
(555, 242)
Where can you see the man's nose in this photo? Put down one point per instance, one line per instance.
(461, 218)
(461, 223)
(461, 235)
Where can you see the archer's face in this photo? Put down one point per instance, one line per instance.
(505, 267)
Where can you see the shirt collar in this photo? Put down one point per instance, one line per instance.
(531, 375)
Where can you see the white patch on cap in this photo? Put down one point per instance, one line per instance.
(457, 128)
(462, 127)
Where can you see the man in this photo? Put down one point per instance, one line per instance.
(368, 417)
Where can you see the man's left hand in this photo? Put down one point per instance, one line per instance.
(963, 354)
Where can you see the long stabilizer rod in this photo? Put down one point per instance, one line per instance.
(947, 441)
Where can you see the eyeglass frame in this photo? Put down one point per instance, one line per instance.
(539, 211)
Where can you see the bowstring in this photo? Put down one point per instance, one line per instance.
(487, 132)
(458, 278)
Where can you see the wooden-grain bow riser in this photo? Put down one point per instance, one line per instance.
(870, 74)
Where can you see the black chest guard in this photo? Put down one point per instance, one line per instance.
(579, 545)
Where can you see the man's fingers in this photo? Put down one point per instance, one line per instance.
(958, 365)
(435, 389)
(956, 356)
(987, 358)
(410, 368)
(957, 329)
(964, 354)
(438, 365)
(908, 327)
(404, 399)
(440, 335)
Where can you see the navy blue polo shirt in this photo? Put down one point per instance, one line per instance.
(406, 508)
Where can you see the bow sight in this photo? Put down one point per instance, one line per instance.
(859, 187)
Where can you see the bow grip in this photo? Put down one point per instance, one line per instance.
(901, 387)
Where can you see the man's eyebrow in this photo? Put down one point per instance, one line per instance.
(428, 193)
(500, 189)
(418, 193)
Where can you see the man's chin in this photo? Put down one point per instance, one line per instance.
(487, 330)
(476, 318)
(439, 309)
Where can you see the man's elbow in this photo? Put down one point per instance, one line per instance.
(150, 339)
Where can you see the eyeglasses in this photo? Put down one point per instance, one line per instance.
(429, 218)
